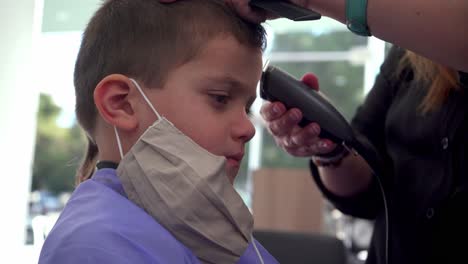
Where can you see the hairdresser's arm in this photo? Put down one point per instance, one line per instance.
(433, 28)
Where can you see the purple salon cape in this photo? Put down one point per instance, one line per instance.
(100, 225)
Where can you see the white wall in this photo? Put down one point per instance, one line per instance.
(19, 27)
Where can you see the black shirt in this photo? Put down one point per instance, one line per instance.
(426, 162)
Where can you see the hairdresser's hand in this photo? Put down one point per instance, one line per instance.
(283, 125)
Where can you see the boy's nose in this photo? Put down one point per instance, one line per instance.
(243, 130)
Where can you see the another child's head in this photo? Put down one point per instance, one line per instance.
(197, 62)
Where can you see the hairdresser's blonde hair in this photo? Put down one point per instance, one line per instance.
(440, 80)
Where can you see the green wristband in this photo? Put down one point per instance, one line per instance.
(356, 17)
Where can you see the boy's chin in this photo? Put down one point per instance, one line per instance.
(231, 174)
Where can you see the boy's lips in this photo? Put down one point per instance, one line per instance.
(235, 160)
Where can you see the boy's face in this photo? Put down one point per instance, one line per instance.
(208, 99)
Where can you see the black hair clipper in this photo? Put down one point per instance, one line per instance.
(277, 85)
(286, 9)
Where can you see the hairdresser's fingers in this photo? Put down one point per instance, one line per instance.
(311, 80)
(289, 145)
(304, 142)
(309, 137)
(286, 141)
(302, 151)
(306, 136)
(320, 146)
(254, 15)
(271, 111)
(284, 125)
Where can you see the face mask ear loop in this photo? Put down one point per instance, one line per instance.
(146, 99)
(119, 144)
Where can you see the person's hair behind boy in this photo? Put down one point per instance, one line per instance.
(147, 40)
(163, 92)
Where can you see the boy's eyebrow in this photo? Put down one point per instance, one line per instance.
(231, 82)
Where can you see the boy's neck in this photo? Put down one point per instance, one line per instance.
(108, 152)
(107, 143)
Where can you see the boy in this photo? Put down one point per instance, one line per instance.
(163, 93)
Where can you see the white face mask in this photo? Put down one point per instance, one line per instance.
(185, 189)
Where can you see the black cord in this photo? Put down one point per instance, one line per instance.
(376, 165)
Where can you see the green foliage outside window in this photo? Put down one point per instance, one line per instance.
(58, 150)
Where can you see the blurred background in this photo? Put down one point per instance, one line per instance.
(42, 144)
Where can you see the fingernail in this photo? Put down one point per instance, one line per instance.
(276, 109)
(295, 116)
(315, 129)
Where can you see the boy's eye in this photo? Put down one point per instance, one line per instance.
(220, 98)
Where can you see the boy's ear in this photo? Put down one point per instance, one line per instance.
(113, 103)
